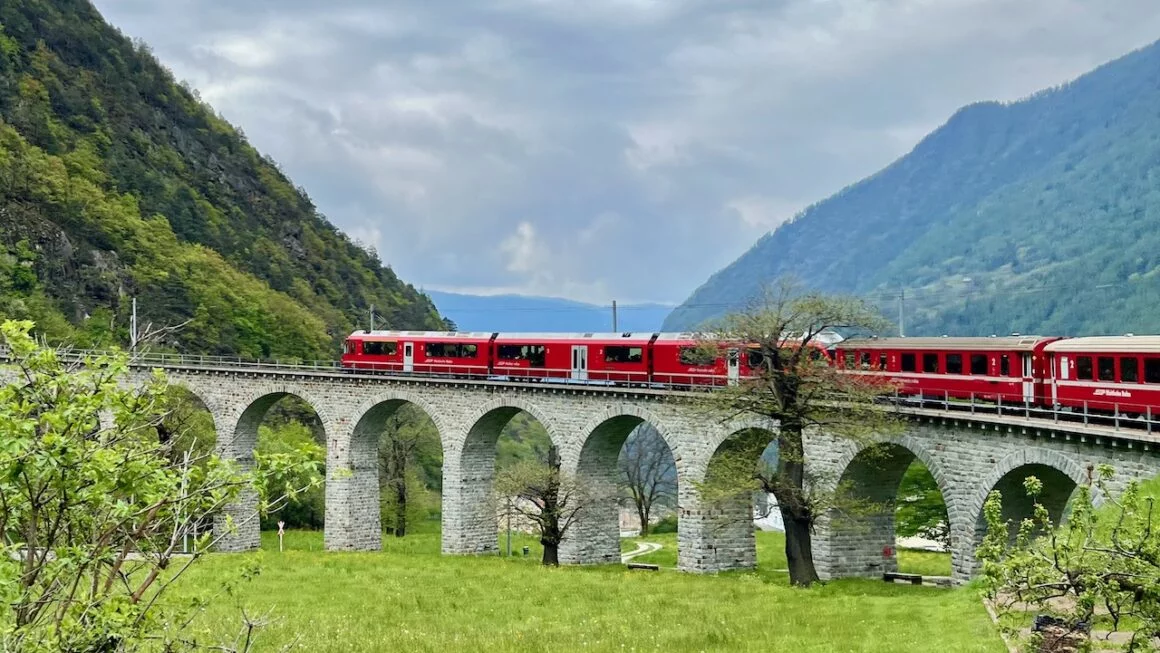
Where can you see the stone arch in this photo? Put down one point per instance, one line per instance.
(501, 409)
(469, 518)
(353, 495)
(720, 536)
(246, 416)
(594, 458)
(865, 544)
(1026, 457)
(1060, 476)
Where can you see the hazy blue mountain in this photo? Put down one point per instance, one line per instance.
(523, 313)
(1041, 215)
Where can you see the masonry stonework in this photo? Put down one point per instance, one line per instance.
(968, 458)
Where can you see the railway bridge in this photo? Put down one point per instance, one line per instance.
(968, 452)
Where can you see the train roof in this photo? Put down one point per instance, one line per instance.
(1005, 343)
(1107, 344)
(591, 337)
(428, 335)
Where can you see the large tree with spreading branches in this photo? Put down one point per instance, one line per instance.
(784, 333)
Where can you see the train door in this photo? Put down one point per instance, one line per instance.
(1028, 381)
(580, 362)
(733, 366)
(408, 357)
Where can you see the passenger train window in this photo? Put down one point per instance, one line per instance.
(1152, 370)
(372, 348)
(1083, 367)
(908, 363)
(534, 354)
(623, 354)
(979, 364)
(1004, 365)
(697, 356)
(1130, 370)
(882, 361)
(930, 363)
(1107, 368)
(954, 363)
(865, 362)
(449, 350)
(848, 360)
(757, 359)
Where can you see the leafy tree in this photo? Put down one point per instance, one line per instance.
(546, 496)
(408, 439)
(648, 473)
(921, 510)
(93, 510)
(307, 507)
(781, 333)
(1101, 559)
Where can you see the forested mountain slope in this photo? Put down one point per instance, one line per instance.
(1036, 216)
(117, 182)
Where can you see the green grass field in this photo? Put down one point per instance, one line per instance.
(409, 598)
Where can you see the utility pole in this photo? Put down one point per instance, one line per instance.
(509, 527)
(133, 328)
(372, 317)
(614, 329)
(901, 311)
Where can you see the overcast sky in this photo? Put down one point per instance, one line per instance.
(603, 149)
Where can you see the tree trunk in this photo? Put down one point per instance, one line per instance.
(551, 554)
(799, 552)
(796, 516)
(642, 514)
(401, 507)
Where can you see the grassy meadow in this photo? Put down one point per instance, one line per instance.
(409, 598)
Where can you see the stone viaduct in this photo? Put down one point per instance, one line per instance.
(968, 455)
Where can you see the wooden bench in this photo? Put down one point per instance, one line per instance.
(641, 565)
(891, 576)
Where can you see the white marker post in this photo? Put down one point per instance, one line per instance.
(281, 532)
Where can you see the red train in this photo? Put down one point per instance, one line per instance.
(1112, 375)
(613, 358)
(1109, 375)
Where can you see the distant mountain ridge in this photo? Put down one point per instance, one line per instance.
(543, 314)
(116, 182)
(1035, 216)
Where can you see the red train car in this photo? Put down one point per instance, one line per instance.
(1109, 374)
(1008, 369)
(422, 352)
(595, 357)
(679, 359)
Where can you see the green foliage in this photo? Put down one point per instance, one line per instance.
(410, 470)
(307, 508)
(121, 182)
(921, 510)
(1105, 559)
(1010, 217)
(522, 439)
(98, 495)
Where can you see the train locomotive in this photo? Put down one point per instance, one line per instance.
(1109, 375)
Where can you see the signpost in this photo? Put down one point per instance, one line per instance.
(281, 532)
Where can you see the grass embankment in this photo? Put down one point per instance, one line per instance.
(409, 598)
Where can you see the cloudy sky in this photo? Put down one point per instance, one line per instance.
(603, 149)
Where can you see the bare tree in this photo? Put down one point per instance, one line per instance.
(649, 472)
(783, 335)
(544, 495)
